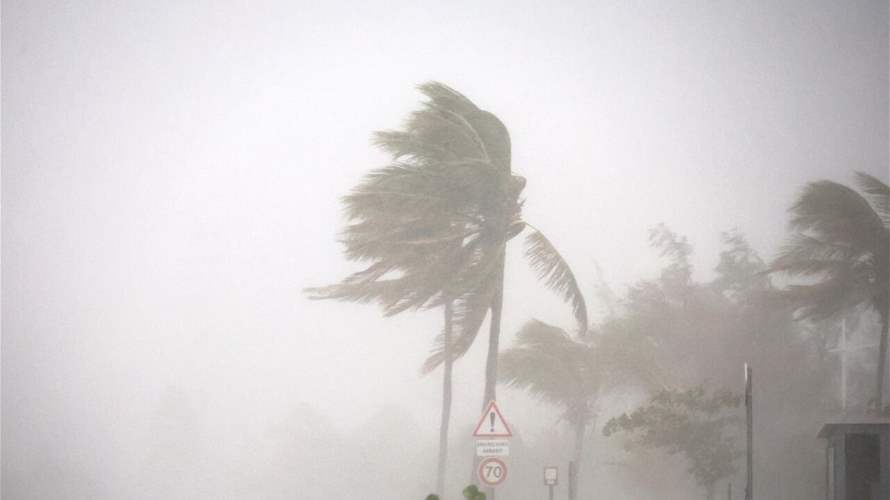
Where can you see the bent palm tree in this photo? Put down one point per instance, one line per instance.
(840, 240)
(483, 142)
(572, 374)
(433, 226)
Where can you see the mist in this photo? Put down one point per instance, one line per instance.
(173, 180)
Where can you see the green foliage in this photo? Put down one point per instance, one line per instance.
(692, 423)
(706, 330)
(471, 492)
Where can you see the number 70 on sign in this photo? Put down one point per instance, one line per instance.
(492, 471)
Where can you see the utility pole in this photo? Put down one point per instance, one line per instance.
(749, 420)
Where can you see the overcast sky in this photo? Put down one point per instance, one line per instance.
(172, 169)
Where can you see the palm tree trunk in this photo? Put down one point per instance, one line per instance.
(494, 333)
(882, 361)
(491, 362)
(578, 454)
(446, 404)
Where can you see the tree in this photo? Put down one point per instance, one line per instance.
(471, 492)
(434, 226)
(484, 142)
(692, 423)
(840, 242)
(572, 374)
(704, 331)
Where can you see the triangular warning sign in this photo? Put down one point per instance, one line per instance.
(492, 424)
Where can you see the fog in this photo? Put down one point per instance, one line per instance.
(172, 175)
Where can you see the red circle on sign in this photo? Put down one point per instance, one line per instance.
(492, 471)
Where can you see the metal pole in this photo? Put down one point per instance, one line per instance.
(572, 480)
(749, 420)
(728, 491)
(550, 486)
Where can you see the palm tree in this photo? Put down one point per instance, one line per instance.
(451, 122)
(573, 373)
(433, 226)
(840, 242)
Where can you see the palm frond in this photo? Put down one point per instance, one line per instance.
(556, 274)
(547, 363)
(443, 96)
(835, 213)
(483, 128)
(469, 311)
(844, 286)
(840, 242)
(877, 193)
(808, 255)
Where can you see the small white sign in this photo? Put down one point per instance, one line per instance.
(492, 447)
(551, 475)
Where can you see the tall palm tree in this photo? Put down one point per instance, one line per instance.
(573, 373)
(840, 241)
(433, 227)
(484, 145)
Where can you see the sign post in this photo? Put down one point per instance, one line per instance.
(749, 421)
(492, 435)
(551, 478)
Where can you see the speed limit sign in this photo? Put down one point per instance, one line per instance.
(492, 471)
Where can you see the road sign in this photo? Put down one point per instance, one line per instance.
(492, 471)
(492, 424)
(492, 447)
(551, 475)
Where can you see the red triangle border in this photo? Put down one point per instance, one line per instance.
(492, 405)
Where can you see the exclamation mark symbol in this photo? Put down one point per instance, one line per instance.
(491, 419)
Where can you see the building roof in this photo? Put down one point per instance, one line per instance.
(866, 424)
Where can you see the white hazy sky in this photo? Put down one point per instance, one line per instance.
(171, 174)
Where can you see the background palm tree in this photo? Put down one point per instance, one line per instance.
(573, 374)
(433, 226)
(840, 241)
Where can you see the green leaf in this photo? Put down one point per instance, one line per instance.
(556, 274)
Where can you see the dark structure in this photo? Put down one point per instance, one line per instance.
(858, 459)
